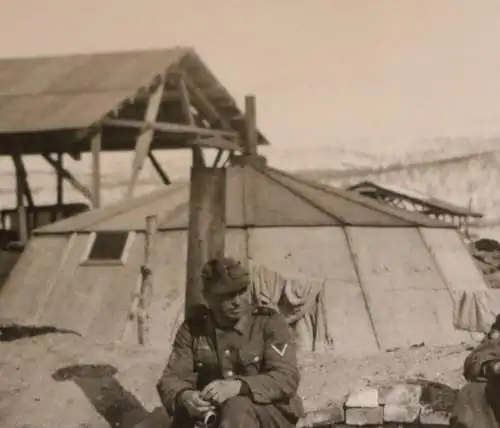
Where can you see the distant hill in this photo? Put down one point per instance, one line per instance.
(457, 170)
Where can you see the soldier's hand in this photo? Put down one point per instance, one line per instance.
(219, 391)
(195, 404)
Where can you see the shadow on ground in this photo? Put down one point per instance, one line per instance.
(11, 332)
(119, 407)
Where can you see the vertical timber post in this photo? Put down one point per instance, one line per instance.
(207, 210)
(249, 155)
(96, 170)
(22, 220)
(146, 290)
(250, 125)
(59, 178)
(59, 186)
(206, 234)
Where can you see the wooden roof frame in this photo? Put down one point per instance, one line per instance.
(210, 127)
(68, 105)
(432, 206)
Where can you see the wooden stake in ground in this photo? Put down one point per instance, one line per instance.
(146, 289)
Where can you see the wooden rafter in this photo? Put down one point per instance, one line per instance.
(175, 128)
(156, 165)
(145, 138)
(207, 107)
(198, 157)
(68, 176)
(214, 143)
(217, 158)
(171, 95)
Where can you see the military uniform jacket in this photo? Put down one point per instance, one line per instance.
(258, 350)
(487, 351)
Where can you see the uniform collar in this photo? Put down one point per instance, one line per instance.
(241, 325)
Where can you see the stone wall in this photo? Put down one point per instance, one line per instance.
(395, 406)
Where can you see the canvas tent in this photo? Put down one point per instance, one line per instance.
(389, 275)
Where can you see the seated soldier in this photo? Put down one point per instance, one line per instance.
(478, 402)
(232, 358)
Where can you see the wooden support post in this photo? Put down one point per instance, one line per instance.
(206, 234)
(156, 165)
(68, 176)
(26, 186)
(96, 170)
(250, 126)
(22, 221)
(59, 180)
(146, 290)
(145, 138)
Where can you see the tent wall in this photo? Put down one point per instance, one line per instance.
(50, 287)
(387, 287)
(25, 290)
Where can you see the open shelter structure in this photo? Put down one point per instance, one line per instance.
(140, 101)
(389, 275)
(415, 201)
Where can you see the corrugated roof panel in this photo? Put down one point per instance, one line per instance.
(87, 74)
(50, 112)
(34, 76)
(38, 94)
(116, 71)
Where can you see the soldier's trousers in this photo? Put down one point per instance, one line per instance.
(241, 412)
(472, 409)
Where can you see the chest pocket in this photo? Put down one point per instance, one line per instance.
(205, 357)
(250, 361)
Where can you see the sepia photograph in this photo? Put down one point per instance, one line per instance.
(249, 214)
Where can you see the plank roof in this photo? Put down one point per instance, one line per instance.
(73, 92)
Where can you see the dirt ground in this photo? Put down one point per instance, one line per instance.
(62, 380)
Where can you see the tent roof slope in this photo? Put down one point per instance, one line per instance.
(256, 196)
(72, 92)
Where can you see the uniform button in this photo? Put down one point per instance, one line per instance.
(230, 373)
(227, 352)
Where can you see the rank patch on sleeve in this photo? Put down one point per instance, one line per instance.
(280, 349)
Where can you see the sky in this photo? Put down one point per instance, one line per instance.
(325, 73)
